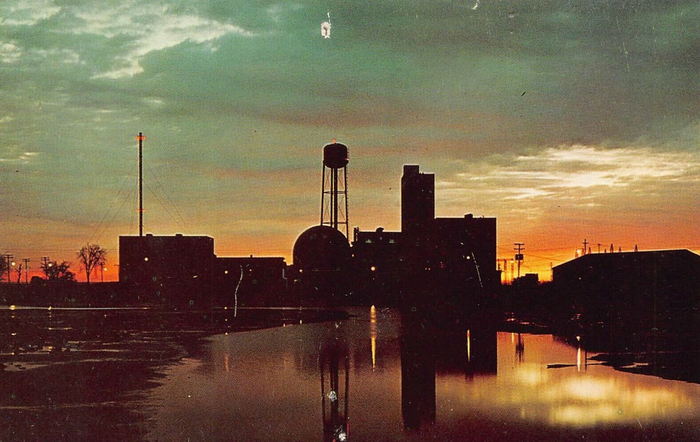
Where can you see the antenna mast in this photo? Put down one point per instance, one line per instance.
(140, 137)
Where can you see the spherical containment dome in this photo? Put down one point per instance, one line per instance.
(321, 248)
(335, 155)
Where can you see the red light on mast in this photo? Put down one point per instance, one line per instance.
(140, 136)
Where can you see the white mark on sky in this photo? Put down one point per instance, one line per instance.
(326, 27)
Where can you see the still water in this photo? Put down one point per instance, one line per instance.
(372, 377)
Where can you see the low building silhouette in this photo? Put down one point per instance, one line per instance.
(183, 270)
(170, 269)
(527, 281)
(659, 283)
(379, 264)
(258, 280)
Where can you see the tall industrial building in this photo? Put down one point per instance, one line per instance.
(417, 200)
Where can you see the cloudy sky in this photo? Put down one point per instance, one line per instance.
(567, 120)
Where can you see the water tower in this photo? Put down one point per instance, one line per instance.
(321, 253)
(334, 190)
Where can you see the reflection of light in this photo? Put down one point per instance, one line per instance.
(227, 367)
(469, 346)
(332, 395)
(531, 374)
(373, 334)
(584, 415)
(589, 398)
(578, 359)
(589, 389)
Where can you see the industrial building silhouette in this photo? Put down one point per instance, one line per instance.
(455, 256)
(183, 270)
(639, 283)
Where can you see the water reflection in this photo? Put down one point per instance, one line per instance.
(334, 366)
(373, 335)
(417, 378)
(476, 383)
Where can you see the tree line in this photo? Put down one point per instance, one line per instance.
(90, 257)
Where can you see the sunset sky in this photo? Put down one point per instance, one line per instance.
(566, 120)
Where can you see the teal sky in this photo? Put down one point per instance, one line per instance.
(565, 119)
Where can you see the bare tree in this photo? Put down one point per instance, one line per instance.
(91, 256)
(3, 268)
(19, 273)
(55, 271)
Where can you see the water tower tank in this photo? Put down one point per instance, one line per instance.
(335, 155)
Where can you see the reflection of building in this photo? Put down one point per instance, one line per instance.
(468, 352)
(417, 380)
(183, 269)
(663, 280)
(334, 366)
(482, 358)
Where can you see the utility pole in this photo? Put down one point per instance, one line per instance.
(8, 267)
(45, 266)
(598, 247)
(140, 138)
(585, 244)
(26, 270)
(518, 254)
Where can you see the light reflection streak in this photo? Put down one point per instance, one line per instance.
(578, 359)
(469, 346)
(373, 334)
